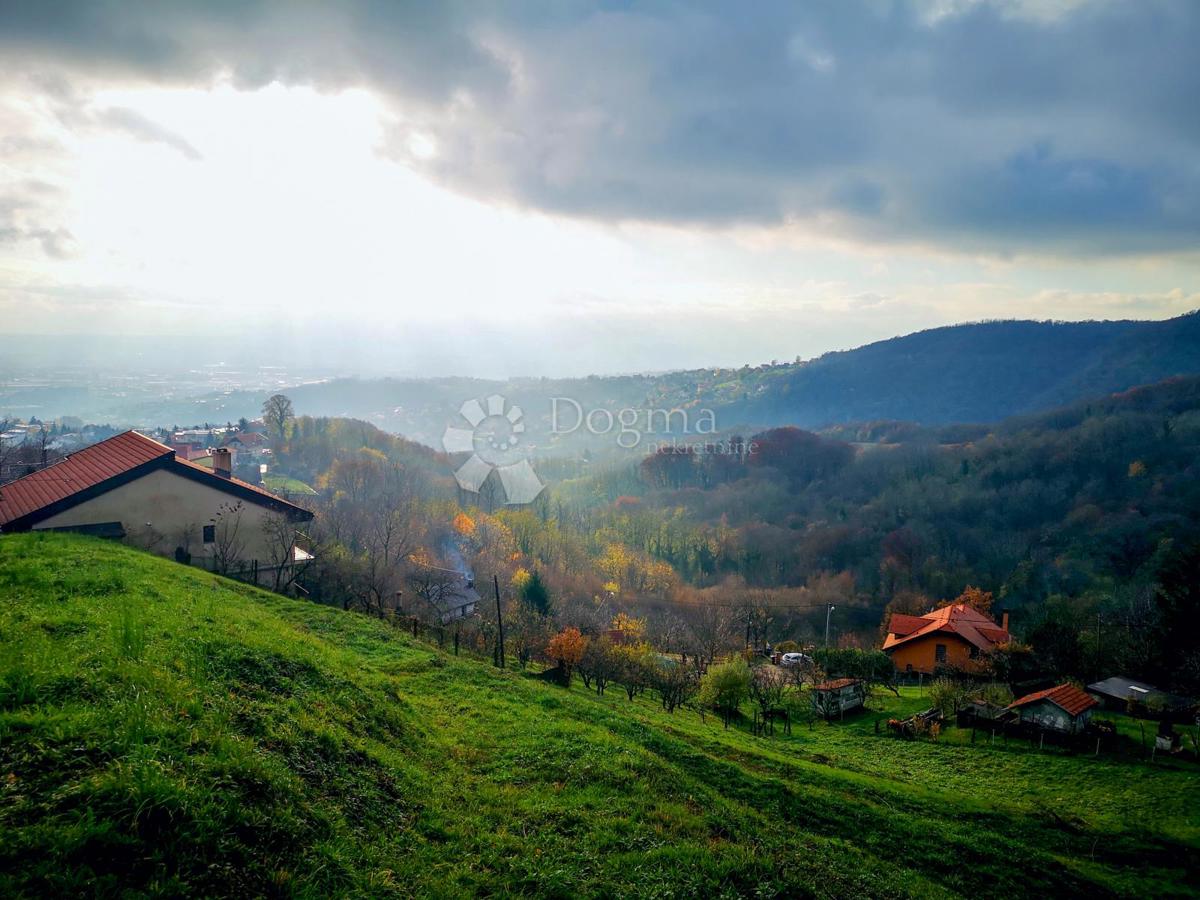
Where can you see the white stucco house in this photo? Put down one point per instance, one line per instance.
(135, 489)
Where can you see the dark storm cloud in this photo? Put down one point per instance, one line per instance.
(986, 128)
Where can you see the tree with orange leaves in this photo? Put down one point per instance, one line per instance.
(567, 648)
(464, 525)
(976, 598)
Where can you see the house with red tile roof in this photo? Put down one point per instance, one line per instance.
(956, 636)
(1065, 708)
(134, 488)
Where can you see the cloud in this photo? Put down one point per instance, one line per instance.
(138, 126)
(26, 217)
(975, 126)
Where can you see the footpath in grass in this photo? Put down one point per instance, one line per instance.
(165, 731)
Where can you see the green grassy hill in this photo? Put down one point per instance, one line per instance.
(165, 731)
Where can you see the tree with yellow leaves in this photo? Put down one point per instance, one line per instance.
(631, 629)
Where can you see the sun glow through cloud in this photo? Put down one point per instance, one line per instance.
(183, 210)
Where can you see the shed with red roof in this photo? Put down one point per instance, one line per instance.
(1065, 708)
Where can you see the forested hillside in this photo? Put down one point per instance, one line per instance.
(981, 372)
(1081, 522)
(1069, 517)
(964, 373)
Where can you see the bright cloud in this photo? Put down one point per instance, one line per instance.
(583, 189)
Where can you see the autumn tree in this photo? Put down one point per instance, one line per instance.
(437, 589)
(277, 412)
(566, 649)
(977, 599)
(635, 667)
(630, 628)
(601, 664)
(525, 630)
(905, 603)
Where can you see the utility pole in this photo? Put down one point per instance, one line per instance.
(828, 612)
(499, 618)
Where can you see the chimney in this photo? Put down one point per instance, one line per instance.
(1004, 619)
(222, 462)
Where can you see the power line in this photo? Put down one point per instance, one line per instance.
(730, 605)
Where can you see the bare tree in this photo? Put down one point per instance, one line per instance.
(767, 687)
(228, 543)
(755, 613)
(280, 535)
(8, 451)
(676, 683)
(711, 631)
(805, 671)
(435, 586)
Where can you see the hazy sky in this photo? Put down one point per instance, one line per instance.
(526, 188)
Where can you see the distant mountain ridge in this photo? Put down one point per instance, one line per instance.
(980, 372)
(973, 373)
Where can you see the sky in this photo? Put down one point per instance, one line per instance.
(566, 188)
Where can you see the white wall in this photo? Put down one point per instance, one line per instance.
(1049, 715)
(163, 510)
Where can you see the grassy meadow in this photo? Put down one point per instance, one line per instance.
(164, 731)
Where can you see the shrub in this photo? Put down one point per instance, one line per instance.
(725, 687)
(949, 695)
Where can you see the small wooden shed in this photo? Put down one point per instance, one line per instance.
(841, 695)
(1065, 708)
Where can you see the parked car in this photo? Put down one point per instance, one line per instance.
(794, 659)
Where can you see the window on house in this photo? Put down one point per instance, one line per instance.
(939, 653)
(908, 667)
(974, 652)
(210, 533)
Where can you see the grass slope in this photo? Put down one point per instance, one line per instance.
(166, 731)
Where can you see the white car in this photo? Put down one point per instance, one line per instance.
(794, 659)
